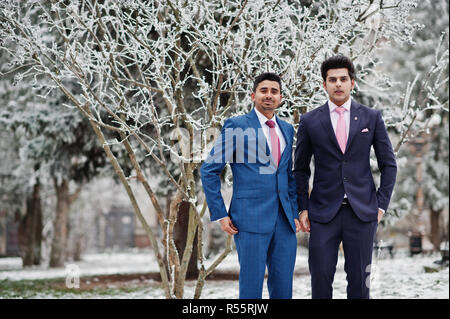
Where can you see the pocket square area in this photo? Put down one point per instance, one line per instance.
(365, 130)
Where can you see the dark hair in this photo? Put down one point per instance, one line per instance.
(337, 62)
(266, 76)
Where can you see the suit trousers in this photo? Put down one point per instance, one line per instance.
(276, 250)
(357, 238)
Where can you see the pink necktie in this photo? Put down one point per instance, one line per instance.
(341, 129)
(274, 141)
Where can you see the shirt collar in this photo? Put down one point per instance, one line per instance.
(346, 105)
(263, 119)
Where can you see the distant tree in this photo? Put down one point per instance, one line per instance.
(420, 72)
(20, 200)
(20, 178)
(436, 176)
(51, 140)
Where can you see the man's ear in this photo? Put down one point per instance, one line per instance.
(252, 96)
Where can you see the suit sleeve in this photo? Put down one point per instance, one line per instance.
(302, 171)
(220, 154)
(292, 185)
(386, 163)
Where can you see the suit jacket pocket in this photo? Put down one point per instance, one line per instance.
(245, 210)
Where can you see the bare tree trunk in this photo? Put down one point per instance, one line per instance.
(30, 229)
(137, 210)
(59, 242)
(435, 233)
(79, 242)
(77, 251)
(180, 237)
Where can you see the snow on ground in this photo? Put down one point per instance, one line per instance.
(402, 277)
(92, 264)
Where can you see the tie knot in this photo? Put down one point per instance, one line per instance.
(270, 123)
(340, 110)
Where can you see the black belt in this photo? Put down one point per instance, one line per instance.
(345, 201)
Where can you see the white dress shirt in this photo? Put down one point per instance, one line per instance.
(262, 120)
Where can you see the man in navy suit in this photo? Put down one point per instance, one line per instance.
(344, 205)
(263, 211)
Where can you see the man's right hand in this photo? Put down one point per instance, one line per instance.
(305, 225)
(227, 226)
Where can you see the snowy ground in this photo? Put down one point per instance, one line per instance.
(402, 277)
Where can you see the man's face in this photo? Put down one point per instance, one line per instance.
(267, 96)
(338, 85)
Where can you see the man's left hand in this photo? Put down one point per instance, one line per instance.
(297, 225)
(380, 215)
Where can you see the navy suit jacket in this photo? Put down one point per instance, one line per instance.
(335, 173)
(258, 185)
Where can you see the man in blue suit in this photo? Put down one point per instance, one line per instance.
(263, 212)
(344, 205)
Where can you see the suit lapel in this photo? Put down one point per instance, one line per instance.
(284, 130)
(355, 119)
(254, 123)
(325, 119)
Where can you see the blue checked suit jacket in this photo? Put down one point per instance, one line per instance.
(259, 187)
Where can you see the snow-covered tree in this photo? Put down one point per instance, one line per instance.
(420, 78)
(170, 72)
(20, 180)
(20, 190)
(51, 142)
(436, 176)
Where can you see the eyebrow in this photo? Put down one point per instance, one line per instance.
(335, 77)
(267, 88)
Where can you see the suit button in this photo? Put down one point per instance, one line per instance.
(278, 191)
